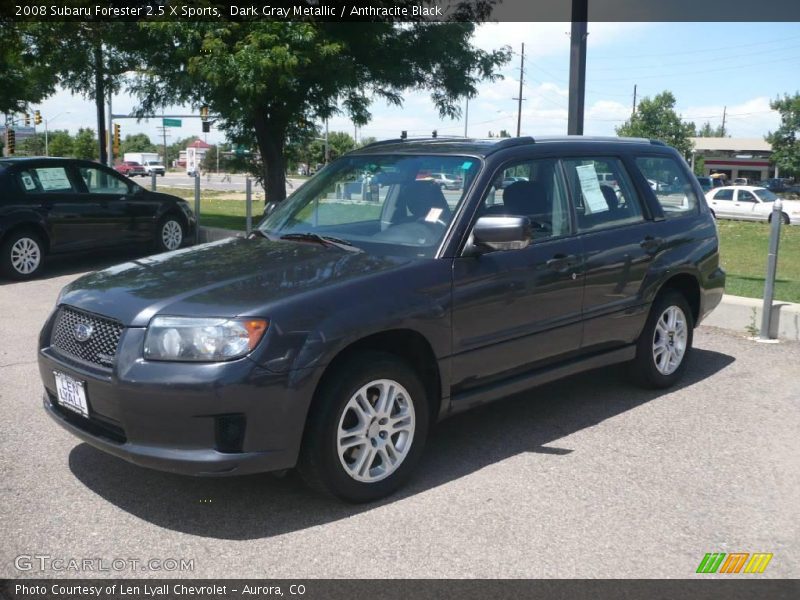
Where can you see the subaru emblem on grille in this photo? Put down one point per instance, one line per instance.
(82, 332)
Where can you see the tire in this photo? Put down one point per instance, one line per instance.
(170, 234)
(22, 255)
(653, 368)
(784, 218)
(357, 471)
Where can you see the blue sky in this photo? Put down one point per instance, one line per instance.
(707, 66)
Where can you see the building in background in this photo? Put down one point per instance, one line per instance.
(735, 157)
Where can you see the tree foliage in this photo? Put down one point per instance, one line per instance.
(708, 131)
(85, 144)
(60, 143)
(264, 78)
(786, 139)
(137, 142)
(656, 119)
(25, 79)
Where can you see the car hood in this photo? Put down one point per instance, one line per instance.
(227, 278)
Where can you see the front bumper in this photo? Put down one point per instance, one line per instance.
(196, 419)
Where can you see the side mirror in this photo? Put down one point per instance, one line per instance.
(270, 207)
(502, 233)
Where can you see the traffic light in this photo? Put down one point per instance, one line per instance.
(403, 134)
(27, 120)
(37, 117)
(204, 113)
(11, 140)
(206, 126)
(116, 141)
(434, 133)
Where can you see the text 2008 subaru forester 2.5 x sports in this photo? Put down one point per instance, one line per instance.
(374, 302)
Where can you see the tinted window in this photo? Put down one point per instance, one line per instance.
(532, 189)
(600, 205)
(99, 181)
(44, 180)
(766, 195)
(673, 190)
(723, 195)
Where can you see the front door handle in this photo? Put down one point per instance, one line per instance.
(560, 262)
(651, 243)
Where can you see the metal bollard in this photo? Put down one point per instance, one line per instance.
(197, 206)
(772, 265)
(153, 181)
(248, 204)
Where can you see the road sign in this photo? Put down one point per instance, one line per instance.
(171, 122)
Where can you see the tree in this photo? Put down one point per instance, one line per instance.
(786, 139)
(366, 141)
(85, 144)
(708, 131)
(32, 146)
(265, 77)
(137, 142)
(657, 119)
(25, 79)
(339, 142)
(60, 143)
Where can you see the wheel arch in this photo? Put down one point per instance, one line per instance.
(408, 345)
(32, 226)
(688, 285)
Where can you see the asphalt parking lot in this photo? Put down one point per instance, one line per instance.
(588, 477)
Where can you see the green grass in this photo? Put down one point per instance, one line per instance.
(743, 253)
(743, 245)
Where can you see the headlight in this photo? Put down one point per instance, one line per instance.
(201, 340)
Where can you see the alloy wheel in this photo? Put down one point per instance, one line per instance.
(172, 235)
(376, 430)
(25, 256)
(669, 340)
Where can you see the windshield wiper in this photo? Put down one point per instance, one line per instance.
(325, 240)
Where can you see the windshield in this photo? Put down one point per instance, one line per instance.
(388, 204)
(765, 195)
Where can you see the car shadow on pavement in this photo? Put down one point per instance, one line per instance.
(76, 264)
(258, 506)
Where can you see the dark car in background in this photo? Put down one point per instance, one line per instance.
(58, 205)
(356, 316)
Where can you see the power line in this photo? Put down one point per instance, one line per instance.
(695, 50)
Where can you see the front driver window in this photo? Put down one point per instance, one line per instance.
(533, 189)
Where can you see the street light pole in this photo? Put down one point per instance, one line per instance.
(46, 121)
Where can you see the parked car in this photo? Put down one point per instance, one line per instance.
(446, 181)
(334, 336)
(741, 181)
(706, 183)
(778, 185)
(750, 203)
(55, 205)
(130, 168)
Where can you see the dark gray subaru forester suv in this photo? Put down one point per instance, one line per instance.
(374, 302)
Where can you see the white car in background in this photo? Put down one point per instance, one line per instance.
(750, 203)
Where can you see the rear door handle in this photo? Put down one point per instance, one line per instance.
(651, 243)
(561, 261)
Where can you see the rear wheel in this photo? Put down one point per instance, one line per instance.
(665, 343)
(367, 429)
(22, 255)
(784, 218)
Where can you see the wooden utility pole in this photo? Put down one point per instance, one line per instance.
(724, 114)
(521, 78)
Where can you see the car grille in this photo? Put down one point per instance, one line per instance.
(99, 349)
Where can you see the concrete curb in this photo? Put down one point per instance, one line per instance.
(743, 314)
(734, 312)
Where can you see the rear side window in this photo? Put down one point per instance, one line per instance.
(44, 180)
(669, 183)
(603, 193)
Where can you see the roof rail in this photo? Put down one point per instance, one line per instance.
(414, 139)
(511, 142)
(657, 143)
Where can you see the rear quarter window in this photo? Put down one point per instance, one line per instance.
(670, 184)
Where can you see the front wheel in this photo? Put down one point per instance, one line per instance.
(665, 343)
(22, 256)
(366, 430)
(169, 234)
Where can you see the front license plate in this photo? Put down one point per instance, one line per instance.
(71, 394)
